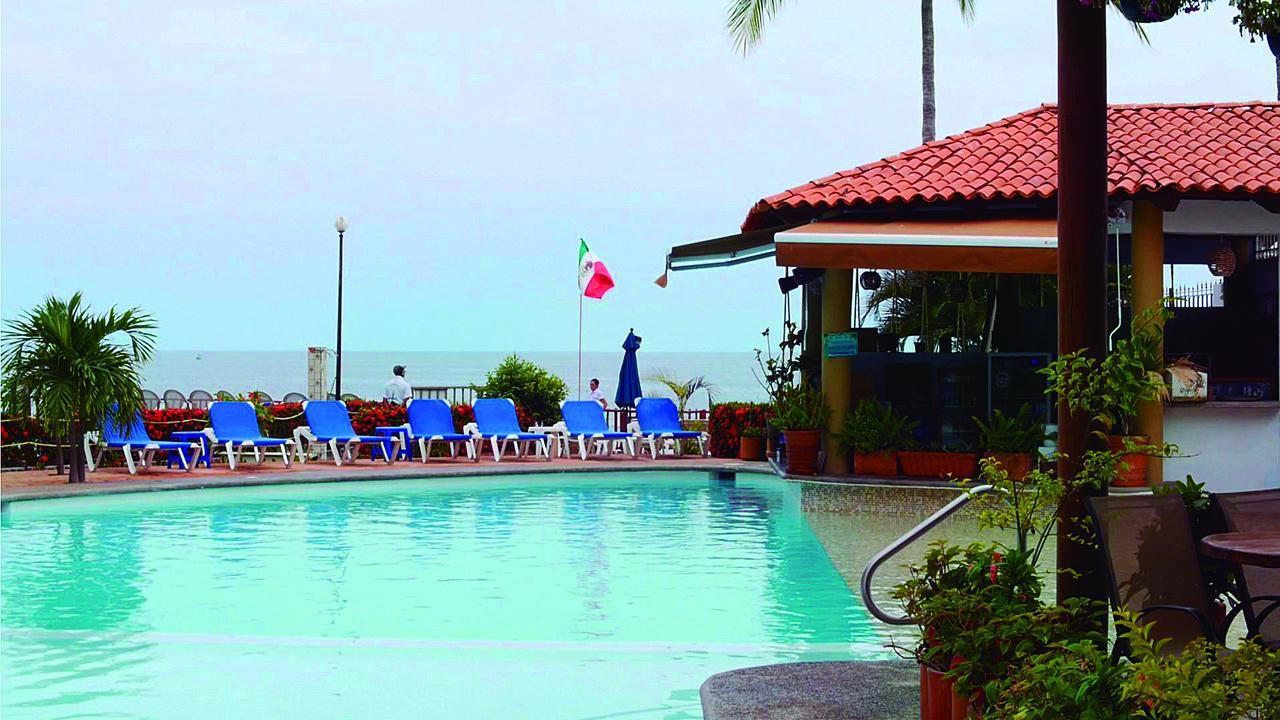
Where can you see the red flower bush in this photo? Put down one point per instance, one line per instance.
(727, 422)
(14, 434)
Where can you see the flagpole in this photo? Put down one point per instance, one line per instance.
(579, 344)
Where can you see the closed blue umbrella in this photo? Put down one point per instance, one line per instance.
(629, 375)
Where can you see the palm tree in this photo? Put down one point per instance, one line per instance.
(72, 366)
(932, 306)
(683, 389)
(747, 19)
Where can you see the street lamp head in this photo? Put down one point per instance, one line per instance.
(340, 224)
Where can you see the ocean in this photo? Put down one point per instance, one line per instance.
(364, 373)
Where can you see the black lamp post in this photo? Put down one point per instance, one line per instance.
(341, 226)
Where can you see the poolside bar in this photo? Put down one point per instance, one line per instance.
(982, 205)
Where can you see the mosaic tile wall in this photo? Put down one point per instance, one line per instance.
(911, 500)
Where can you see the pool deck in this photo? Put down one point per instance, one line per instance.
(886, 690)
(42, 484)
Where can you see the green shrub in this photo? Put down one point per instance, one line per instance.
(534, 389)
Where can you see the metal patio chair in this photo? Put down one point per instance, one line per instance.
(1153, 567)
(174, 399)
(200, 399)
(1255, 511)
(150, 400)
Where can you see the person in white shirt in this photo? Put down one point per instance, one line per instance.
(596, 394)
(397, 390)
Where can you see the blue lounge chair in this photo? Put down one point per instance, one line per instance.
(132, 439)
(496, 422)
(235, 428)
(328, 422)
(658, 419)
(430, 420)
(584, 421)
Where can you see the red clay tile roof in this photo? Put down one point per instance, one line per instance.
(1208, 149)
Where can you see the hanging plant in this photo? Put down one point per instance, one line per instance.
(1150, 11)
(1259, 18)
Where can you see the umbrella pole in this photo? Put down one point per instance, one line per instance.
(579, 345)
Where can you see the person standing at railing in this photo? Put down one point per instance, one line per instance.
(397, 389)
(597, 395)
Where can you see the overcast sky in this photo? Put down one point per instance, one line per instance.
(190, 157)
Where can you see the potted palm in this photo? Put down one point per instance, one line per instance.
(74, 366)
(1012, 441)
(1111, 389)
(801, 413)
(873, 434)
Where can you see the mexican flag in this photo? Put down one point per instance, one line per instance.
(594, 279)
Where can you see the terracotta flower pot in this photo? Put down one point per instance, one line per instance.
(924, 692)
(938, 464)
(1132, 471)
(879, 464)
(938, 688)
(959, 705)
(750, 448)
(1016, 464)
(802, 451)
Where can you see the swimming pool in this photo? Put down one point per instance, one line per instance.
(550, 596)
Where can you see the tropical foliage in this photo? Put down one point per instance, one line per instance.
(746, 20)
(1110, 389)
(933, 306)
(1022, 433)
(874, 427)
(684, 390)
(800, 407)
(777, 373)
(69, 367)
(532, 387)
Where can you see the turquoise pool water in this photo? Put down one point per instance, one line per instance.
(548, 596)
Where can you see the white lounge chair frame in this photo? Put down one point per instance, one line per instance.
(145, 454)
(498, 445)
(305, 443)
(668, 441)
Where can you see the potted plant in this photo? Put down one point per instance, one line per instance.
(939, 462)
(801, 413)
(751, 443)
(1111, 389)
(1012, 441)
(874, 433)
(776, 374)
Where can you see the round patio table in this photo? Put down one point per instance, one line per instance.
(1261, 549)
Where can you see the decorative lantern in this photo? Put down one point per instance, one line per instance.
(870, 280)
(1222, 262)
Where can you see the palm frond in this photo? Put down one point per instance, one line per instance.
(745, 21)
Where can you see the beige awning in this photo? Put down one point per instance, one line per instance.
(1005, 246)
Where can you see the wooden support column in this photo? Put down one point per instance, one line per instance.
(837, 373)
(1082, 257)
(811, 373)
(1148, 291)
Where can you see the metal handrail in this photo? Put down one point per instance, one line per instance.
(907, 538)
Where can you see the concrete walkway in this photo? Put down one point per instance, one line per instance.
(886, 690)
(40, 484)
